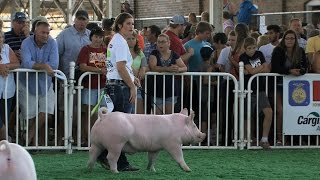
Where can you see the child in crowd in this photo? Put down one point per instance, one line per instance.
(255, 63)
(207, 101)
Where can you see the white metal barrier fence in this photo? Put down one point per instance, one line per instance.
(19, 127)
(220, 115)
(214, 118)
(277, 138)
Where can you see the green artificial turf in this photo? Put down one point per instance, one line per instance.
(205, 164)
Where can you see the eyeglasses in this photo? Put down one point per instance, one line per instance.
(291, 38)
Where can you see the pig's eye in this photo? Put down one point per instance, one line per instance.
(9, 159)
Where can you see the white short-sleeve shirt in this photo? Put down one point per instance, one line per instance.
(223, 58)
(118, 50)
(6, 92)
(267, 51)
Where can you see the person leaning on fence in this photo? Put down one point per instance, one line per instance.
(165, 60)
(287, 58)
(176, 27)
(121, 83)
(207, 65)
(39, 52)
(227, 95)
(138, 67)
(92, 58)
(203, 32)
(8, 61)
(242, 32)
(273, 36)
(254, 63)
(70, 41)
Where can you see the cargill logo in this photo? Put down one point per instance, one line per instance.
(313, 118)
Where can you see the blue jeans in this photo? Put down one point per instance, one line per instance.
(120, 94)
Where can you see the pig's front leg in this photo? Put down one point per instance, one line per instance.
(176, 153)
(93, 154)
(152, 160)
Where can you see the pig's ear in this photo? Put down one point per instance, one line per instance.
(184, 111)
(5, 148)
(103, 111)
(192, 114)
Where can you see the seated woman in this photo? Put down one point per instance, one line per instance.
(164, 60)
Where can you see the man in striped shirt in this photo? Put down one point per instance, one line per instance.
(20, 30)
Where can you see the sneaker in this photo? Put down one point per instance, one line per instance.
(265, 145)
(104, 163)
(128, 168)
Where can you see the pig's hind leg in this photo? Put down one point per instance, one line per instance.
(93, 154)
(114, 152)
(176, 153)
(152, 160)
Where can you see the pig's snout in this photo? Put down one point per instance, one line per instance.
(202, 136)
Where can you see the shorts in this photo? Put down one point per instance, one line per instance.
(93, 96)
(262, 104)
(159, 101)
(3, 110)
(45, 102)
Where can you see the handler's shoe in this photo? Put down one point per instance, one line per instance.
(128, 168)
(265, 145)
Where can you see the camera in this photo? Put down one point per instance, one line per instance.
(302, 71)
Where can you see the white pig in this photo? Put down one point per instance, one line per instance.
(15, 162)
(132, 133)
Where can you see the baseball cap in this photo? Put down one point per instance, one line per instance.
(206, 52)
(82, 13)
(178, 19)
(40, 19)
(19, 16)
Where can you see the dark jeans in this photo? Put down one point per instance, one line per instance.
(230, 104)
(119, 93)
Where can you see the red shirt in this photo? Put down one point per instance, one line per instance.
(176, 43)
(95, 57)
(141, 41)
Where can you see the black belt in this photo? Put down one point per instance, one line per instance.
(115, 81)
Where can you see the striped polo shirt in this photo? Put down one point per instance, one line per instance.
(13, 40)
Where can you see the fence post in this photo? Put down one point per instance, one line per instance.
(242, 95)
(71, 92)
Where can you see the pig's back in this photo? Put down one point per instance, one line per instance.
(23, 162)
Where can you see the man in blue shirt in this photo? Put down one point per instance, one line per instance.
(39, 52)
(70, 41)
(245, 11)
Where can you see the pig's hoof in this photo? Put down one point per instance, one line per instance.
(152, 169)
(186, 169)
(115, 171)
